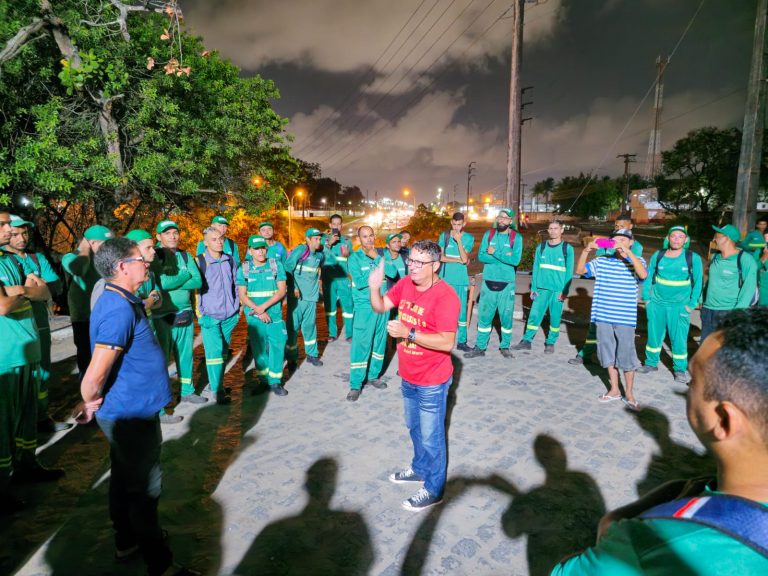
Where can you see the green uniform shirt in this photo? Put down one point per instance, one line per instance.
(229, 248)
(674, 284)
(336, 265)
(763, 284)
(455, 273)
(44, 270)
(83, 277)
(723, 292)
(551, 269)
(636, 249)
(20, 343)
(261, 284)
(277, 251)
(394, 269)
(177, 277)
(304, 273)
(360, 267)
(500, 266)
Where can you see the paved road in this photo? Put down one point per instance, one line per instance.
(301, 481)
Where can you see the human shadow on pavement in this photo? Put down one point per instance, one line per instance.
(672, 461)
(319, 540)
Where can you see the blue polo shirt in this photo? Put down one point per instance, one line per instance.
(137, 386)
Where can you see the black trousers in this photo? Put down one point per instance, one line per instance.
(82, 338)
(709, 321)
(134, 488)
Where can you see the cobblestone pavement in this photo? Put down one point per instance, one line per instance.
(299, 484)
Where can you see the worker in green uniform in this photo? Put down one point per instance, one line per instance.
(83, 276)
(395, 267)
(36, 263)
(336, 286)
(753, 243)
(178, 277)
(623, 222)
(221, 225)
(261, 282)
(19, 372)
(550, 283)
(456, 246)
(369, 331)
(275, 249)
(671, 292)
(732, 279)
(303, 269)
(500, 251)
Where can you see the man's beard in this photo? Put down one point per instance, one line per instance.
(502, 227)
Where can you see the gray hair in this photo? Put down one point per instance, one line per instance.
(111, 252)
(428, 247)
(209, 230)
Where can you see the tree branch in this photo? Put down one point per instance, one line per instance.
(24, 35)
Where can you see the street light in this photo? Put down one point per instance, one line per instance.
(300, 193)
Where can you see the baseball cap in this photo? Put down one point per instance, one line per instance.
(622, 232)
(394, 235)
(752, 240)
(98, 233)
(256, 241)
(508, 211)
(313, 232)
(730, 231)
(677, 229)
(219, 220)
(18, 222)
(138, 235)
(166, 225)
(265, 223)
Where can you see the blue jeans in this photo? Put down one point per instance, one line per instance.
(425, 418)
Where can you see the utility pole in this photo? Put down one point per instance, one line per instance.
(748, 178)
(628, 159)
(512, 193)
(520, 143)
(653, 161)
(470, 173)
(454, 196)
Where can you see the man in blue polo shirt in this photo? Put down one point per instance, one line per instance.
(614, 311)
(127, 383)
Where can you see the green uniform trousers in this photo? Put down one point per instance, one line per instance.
(18, 419)
(463, 293)
(301, 314)
(369, 344)
(546, 300)
(44, 332)
(177, 342)
(502, 301)
(672, 319)
(338, 290)
(590, 344)
(216, 337)
(268, 347)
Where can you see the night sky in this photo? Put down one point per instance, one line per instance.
(370, 97)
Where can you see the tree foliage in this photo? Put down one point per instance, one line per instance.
(584, 196)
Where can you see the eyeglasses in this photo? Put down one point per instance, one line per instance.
(416, 264)
(136, 259)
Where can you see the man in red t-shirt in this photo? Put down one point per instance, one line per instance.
(428, 310)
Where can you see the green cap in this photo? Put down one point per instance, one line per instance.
(265, 223)
(98, 233)
(313, 232)
(138, 235)
(166, 225)
(752, 240)
(256, 241)
(684, 230)
(19, 222)
(394, 235)
(508, 211)
(730, 231)
(219, 220)
(678, 229)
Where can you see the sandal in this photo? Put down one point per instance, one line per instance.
(631, 404)
(607, 398)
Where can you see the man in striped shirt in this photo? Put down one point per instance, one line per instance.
(614, 311)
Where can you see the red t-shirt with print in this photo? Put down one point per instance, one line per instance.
(434, 310)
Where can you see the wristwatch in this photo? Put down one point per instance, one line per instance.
(412, 335)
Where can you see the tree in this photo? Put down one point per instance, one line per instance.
(111, 108)
(585, 196)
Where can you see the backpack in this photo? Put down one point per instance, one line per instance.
(272, 267)
(512, 236)
(688, 262)
(543, 245)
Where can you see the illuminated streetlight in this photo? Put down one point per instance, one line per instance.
(258, 181)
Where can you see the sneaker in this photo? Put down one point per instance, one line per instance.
(48, 426)
(421, 500)
(682, 377)
(332, 339)
(35, 473)
(353, 395)
(349, 338)
(194, 399)
(463, 346)
(506, 352)
(314, 360)
(223, 398)
(474, 353)
(170, 419)
(278, 390)
(647, 369)
(549, 348)
(126, 553)
(405, 476)
(576, 361)
(378, 384)
(522, 345)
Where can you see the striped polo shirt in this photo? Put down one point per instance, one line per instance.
(615, 297)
